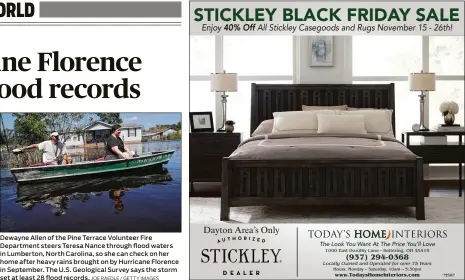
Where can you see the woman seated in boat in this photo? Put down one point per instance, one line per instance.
(115, 147)
(53, 150)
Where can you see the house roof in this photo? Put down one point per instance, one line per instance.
(127, 125)
(130, 125)
(97, 122)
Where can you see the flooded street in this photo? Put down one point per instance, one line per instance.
(138, 202)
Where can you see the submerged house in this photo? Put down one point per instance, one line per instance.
(158, 134)
(99, 131)
(169, 131)
(154, 134)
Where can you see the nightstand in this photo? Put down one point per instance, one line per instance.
(206, 150)
(448, 153)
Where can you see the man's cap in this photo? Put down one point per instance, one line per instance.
(54, 134)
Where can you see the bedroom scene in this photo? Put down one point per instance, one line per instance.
(326, 129)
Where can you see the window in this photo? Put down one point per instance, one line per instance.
(201, 99)
(259, 59)
(446, 60)
(202, 55)
(386, 55)
(407, 104)
(446, 55)
(131, 133)
(446, 91)
(390, 59)
(379, 59)
(258, 55)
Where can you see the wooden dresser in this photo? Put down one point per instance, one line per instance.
(206, 150)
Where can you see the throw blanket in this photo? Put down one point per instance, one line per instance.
(313, 146)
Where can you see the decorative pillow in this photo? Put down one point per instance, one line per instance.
(298, 121)
(311, 108)
(358, 109)
(341, 124)
(265, 127)
(377, 121)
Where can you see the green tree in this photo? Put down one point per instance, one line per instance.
(177, 126)
(30, 128)
(7, 134)
(35, 127)
(63, 123)
(174, 136)
(111, 118)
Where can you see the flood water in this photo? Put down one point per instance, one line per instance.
(139, 202)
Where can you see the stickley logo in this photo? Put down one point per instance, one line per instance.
(16, 10)
(247, 254)
(240, 255)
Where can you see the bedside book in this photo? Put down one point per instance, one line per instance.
(445, 128)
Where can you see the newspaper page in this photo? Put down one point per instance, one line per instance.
(340, 131)
(94, 102)
(312, 140)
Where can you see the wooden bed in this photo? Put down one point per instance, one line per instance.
(320, 182)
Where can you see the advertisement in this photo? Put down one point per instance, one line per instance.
(211, 139)
(338, 126)
(332, 251)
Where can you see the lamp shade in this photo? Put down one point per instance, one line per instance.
(224, 82)
(422, 81)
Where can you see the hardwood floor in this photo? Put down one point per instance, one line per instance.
(444, 188)
(213, 190)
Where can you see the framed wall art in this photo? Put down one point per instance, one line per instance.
(321, 51)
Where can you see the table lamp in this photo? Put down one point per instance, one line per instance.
(223, 82)
(422, 82)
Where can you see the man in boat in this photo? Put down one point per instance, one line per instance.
(53, 150)
(115, 147)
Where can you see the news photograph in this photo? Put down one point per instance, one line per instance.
(325, 129)
(90, 172)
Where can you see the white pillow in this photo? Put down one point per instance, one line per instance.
(298, 121)
(377, 121)
(341, 124)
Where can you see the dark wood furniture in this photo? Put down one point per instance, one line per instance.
(206, 149)
(304, 182)
(449, 153)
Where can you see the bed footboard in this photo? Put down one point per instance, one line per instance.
(254, 183)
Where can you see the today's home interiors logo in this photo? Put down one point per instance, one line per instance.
(385, 234)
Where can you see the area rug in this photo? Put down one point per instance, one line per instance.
(438, 210)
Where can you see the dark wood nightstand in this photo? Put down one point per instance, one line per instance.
(450, 153)
(206, 150)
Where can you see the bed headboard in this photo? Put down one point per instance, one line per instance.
(269, 98)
